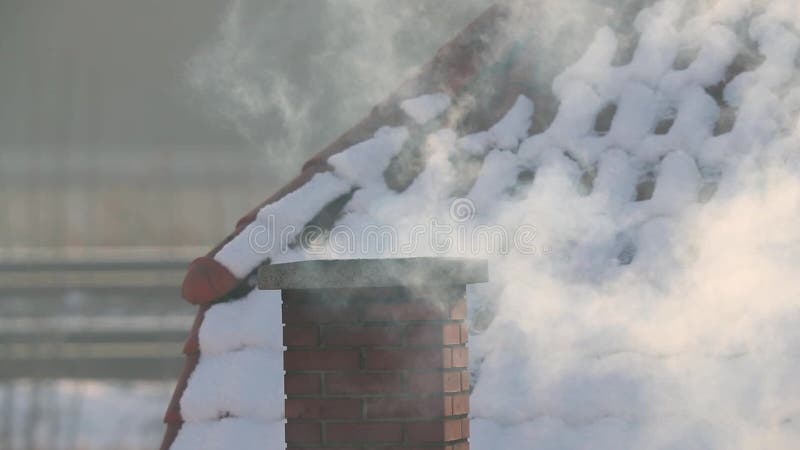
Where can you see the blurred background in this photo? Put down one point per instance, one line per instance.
(132, 136)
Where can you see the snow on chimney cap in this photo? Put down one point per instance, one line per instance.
(382, 272)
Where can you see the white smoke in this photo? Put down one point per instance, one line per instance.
(663, 322)
(694, 344)
(293, 75)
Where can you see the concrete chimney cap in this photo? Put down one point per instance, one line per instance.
(381, 272)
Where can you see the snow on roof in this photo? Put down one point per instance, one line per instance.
(631, 322)
(425, 107)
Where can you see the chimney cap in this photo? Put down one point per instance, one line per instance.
(381, 272)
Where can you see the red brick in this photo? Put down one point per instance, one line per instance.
(434, 382)
(409, 359)
(298, 335)
(433, 334)
(363, 432)
(363, 383)
(410, 310)
(465, 381)
(460, 356)
(363, 335)
(465, 427)
(347, 296)
(464, 333)
(323, 409)
(302, 383)
(426, 447)
(318, 313)
(425, 382)
(434, 431)
(324, 448)
(451, 382)
(460, 404)
(303, 433)
(408, 408)
(461, 446)
(320, 359)
(458, 310)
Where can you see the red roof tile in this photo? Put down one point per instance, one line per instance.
(207, 280)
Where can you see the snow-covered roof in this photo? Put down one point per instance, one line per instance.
(651, 306)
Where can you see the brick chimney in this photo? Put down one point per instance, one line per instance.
(376, 352)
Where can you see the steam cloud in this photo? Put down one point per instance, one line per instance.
(667, 323)
(292, 75)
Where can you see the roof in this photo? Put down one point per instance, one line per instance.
(612, 166)
(207, 281)
(451, 70)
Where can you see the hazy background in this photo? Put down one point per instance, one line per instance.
(133, 134)
(146, 112)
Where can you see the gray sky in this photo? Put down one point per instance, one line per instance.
(121, 121)
(114, 74)
(99, 73)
